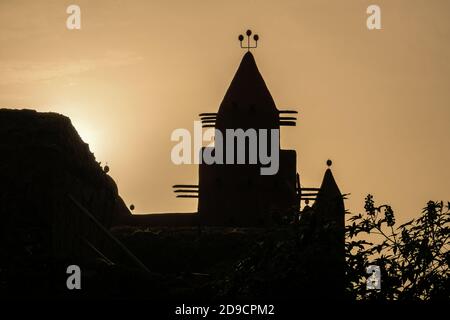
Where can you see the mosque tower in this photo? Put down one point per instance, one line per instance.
(238, 194)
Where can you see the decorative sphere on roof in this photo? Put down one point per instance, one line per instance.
(132, 207)
(249, 32)
(241, 37)
(329, 162)
(256, 37)
(106, 169)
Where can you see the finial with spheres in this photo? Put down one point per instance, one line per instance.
(248, 46)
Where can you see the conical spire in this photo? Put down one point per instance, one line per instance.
(330, 216)
(329, 188)
(247, 102)
(329, 205)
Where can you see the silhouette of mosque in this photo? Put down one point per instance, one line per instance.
(237, 194)
(58, 204)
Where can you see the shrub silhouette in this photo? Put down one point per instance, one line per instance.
(413, 258)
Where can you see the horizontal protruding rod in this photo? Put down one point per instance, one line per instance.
(309, 194)
(208, 118)
(310, 189)
(207, 114)
(287, 123)
(208, 121)
(287, 111)
(186, 196)
(185, 186)
(208, 126)
(288, 118)
(186, 190)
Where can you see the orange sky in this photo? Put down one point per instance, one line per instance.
(375, 102)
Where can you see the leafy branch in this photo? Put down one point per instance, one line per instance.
(413, 257)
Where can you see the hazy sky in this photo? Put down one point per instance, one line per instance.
(375, 102)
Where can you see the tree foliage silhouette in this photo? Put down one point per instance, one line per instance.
(414, 257)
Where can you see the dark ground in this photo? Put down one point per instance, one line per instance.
(185, 263)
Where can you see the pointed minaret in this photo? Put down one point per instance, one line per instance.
(329, 214)
(329, 206)
(237, 194)
(247, 102)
